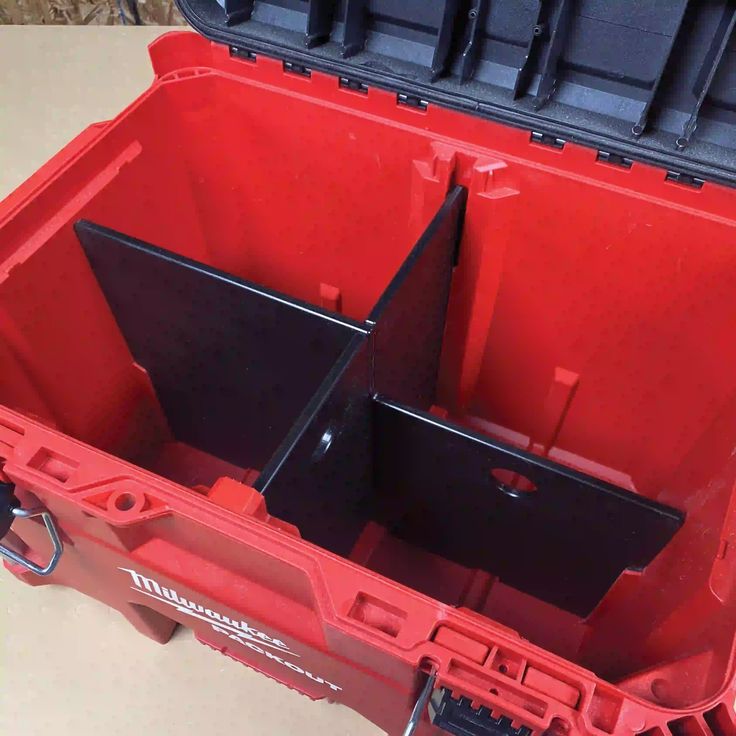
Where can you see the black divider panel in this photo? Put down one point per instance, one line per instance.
(565, 542)
(321, 478)
(233, 364)
(409, 317)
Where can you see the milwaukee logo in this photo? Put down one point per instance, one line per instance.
(149, 587)
(237, 630)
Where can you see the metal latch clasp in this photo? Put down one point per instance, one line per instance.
(421, 705)
(458, 716)
(11, 510)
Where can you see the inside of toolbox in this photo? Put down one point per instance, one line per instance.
(605, 365)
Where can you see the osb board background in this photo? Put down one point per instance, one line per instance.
(90, 12)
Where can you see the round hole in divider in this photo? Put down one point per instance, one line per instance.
(125, 501)
(503, 669)
(511, 482)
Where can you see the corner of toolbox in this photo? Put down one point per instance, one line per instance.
(39, 178)
(169, 53)
(176, 50)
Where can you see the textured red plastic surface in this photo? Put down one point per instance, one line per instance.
(590, 320)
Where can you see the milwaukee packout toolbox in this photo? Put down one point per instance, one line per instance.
(390, 347)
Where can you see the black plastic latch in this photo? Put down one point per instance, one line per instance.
(460, 718)
(8, 502)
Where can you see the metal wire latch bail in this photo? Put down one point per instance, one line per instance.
(421, 705)
(10, 510)
(457, 715)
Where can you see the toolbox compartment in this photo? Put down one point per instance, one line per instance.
(495, 371)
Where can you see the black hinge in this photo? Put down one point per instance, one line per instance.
(546, 139)
(292, 67)
(687, 180)
(242, 53)
(614, 159)
(354, 85)
(411, 101)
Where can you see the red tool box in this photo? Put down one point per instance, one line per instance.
(398, 364)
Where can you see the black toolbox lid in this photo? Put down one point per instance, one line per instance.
(650, 80)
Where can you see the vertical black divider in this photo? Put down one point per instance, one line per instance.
(408, 322)
(321, 479)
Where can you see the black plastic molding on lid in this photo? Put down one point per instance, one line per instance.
(650, 80)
